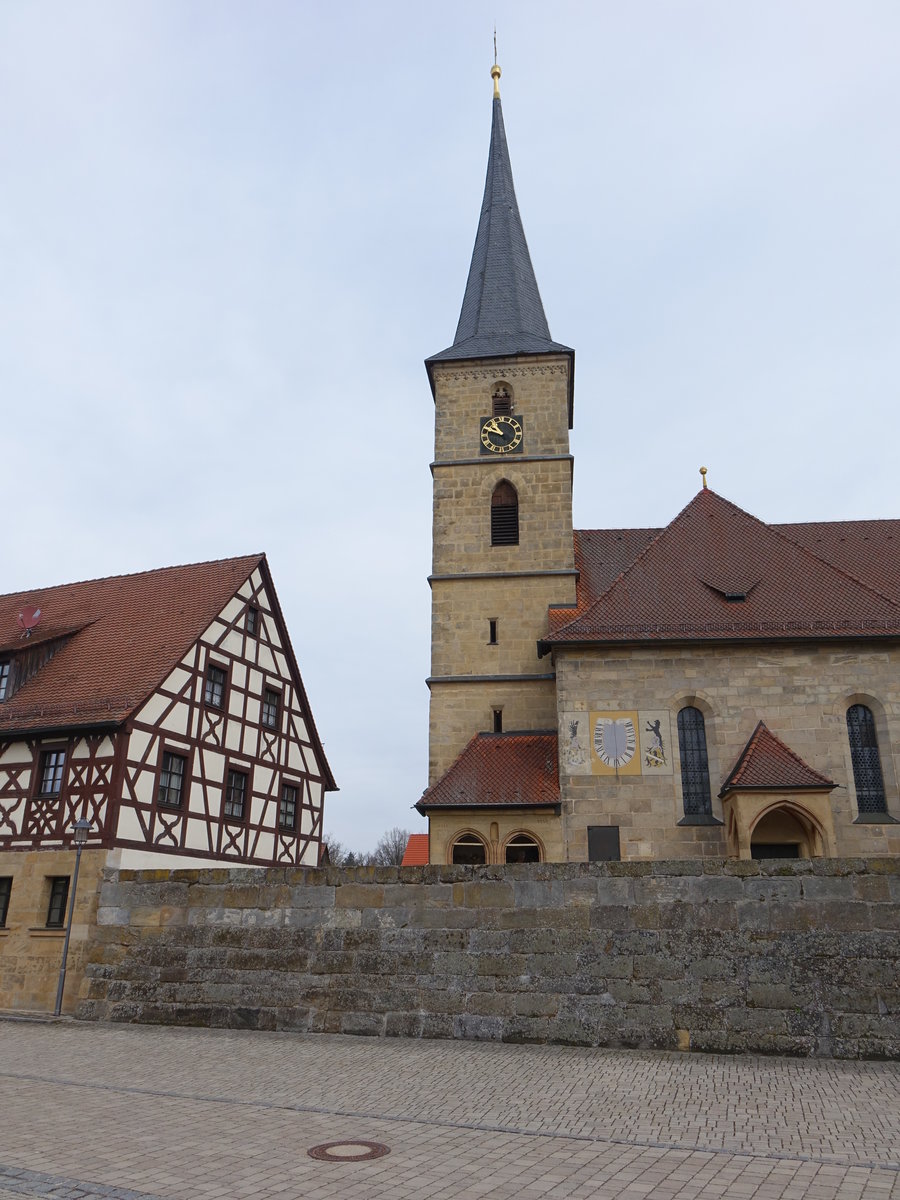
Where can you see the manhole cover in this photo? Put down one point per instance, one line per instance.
(348, 1151)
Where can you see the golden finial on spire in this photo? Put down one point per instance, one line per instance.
(703, 473)
(495, 70)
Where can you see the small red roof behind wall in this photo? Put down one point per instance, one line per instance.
(416, 852)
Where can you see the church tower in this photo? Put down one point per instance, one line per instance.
(502, 470)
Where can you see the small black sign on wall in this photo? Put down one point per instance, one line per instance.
(603, 843)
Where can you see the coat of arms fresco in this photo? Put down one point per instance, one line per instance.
(616, 742)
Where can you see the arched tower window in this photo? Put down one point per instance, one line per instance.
(694, 763)
(505, 515)
(867, 775)
(501, 400)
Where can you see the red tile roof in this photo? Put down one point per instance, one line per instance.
(684, 583)
(499, 770)
(127, 632)
(601, 555)
(767, 763)
(416, 852)
(869, 550)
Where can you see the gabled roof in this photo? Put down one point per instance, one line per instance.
(498, 770)
(115, 640)
(502, 313)
(767, 764)
(717, 573)
(416, 852)
(869, 550)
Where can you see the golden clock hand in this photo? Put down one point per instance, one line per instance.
(492, 427)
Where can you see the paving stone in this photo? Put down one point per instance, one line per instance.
(129, 1112)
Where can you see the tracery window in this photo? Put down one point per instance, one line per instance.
(695, 789)
(505, 515)
(867, 775)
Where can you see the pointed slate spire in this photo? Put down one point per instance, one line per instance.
(502, 313)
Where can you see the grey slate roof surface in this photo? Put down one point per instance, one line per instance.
(502, 313)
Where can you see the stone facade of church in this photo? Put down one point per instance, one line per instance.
(714, 687)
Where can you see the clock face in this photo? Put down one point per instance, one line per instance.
(500, 435)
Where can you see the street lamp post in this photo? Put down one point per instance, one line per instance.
(82, 829)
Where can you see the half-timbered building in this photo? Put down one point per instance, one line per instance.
(166, 709)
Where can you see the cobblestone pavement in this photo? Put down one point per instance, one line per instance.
(143, 1113)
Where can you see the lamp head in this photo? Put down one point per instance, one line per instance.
(82, 829)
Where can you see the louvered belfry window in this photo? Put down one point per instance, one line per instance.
(504, 515)
(867, 776)
(694, 763)
(501, 401)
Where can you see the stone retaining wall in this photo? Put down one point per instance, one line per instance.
(781, 957)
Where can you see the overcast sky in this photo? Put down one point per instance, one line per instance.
(230, 233)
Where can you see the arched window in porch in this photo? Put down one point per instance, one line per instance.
(468, 851)
(522, 848)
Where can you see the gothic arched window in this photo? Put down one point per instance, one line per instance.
(522, 848)
(694, 763)
(468, 850)
(505, 515)
(867, 776)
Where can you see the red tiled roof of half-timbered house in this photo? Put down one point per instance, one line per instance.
(416, 852)
(499, 770)
(767, 764)
(717, 573)
(112, 641)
